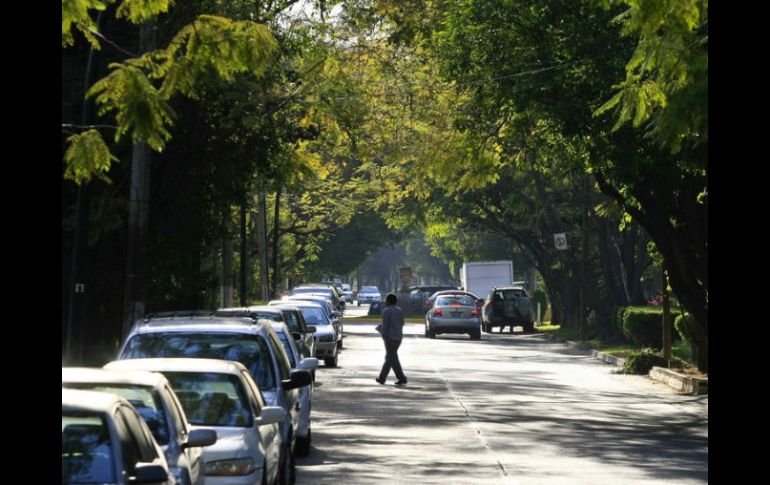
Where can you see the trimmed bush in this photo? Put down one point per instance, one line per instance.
(644, 325)
(643, 361)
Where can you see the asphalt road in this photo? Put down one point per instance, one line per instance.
(513, 409)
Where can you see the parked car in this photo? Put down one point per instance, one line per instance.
(508, 305)
(304, 435)
(333, 316)
(151, 395)
(221, 396)
(105, 440)
(249, 341)
(453, 313)
(369, 294)
(328, 290)
(326, 346)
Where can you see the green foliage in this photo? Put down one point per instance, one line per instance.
(667, 75)
(87, 156)
(644, 325)
(140, 108)
(643, 361)
(77, 13)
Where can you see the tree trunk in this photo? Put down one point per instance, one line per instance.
(263, 245)
(276, 236)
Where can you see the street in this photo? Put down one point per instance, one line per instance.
(513, 409)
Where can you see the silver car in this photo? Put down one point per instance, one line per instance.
(151, 394)
(326, 347)
(304, 435)
(97, 431)
(453, 313)
(249, 341)
(220, 395)
(369, 294)
(333, 316)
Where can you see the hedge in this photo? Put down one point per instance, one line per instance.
(644, 325)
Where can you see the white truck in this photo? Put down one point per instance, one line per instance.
(478, 277)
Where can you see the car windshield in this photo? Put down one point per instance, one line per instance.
(146, 401)
(314, 316)
(86, 450)
(273, 317)
(455, 300)
(212, 399)
(250, 350)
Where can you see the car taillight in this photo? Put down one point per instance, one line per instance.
(474, 313)
(438, 313)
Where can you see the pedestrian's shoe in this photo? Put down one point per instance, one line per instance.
(379, 381)
(400, 383)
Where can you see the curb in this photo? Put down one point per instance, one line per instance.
(680, 382)
(675, 380)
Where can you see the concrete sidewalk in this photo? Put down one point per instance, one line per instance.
(676, 380)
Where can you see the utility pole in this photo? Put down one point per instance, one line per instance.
(244, 257)
(77, 293)
(134, 291)
(263, 245)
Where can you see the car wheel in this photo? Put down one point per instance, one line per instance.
(287, 471)
(330, 361)
(475, 334)
(431, 333)
(302, 448)
(529, 327)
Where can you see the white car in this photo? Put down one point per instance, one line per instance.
(104, 440)
(304, 435)
(221, 395)
(369, 294)
(152, 396)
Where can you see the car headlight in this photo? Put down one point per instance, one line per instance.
(227, 468)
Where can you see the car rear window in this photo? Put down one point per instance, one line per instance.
(250, 350)
(455, 300)
(513, 294)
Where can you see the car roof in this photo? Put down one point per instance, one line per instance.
(201, 324)
(181, 364)
(91, 401)
(454, 292)
(100, 375)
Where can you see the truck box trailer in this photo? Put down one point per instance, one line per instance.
(479, 276)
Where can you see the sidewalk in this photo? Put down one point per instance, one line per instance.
(676, 380)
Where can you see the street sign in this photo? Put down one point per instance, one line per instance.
(560, 241)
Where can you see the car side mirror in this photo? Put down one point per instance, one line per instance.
(149, 473)
(200, 437)
(299, 378)
(311, 329)
(270, 415)
(308, 363)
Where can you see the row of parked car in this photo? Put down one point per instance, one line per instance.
(219, 397)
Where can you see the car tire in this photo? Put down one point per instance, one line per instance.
(330, 361)
(475, 335)
(431, 333)
(302, 448)
(529, 327)
(287, 471)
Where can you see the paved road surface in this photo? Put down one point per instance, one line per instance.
(509, 409)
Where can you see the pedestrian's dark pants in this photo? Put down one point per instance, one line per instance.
(391, 360)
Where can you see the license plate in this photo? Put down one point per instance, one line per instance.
(456, 314)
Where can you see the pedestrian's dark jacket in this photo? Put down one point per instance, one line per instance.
(393, 322)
